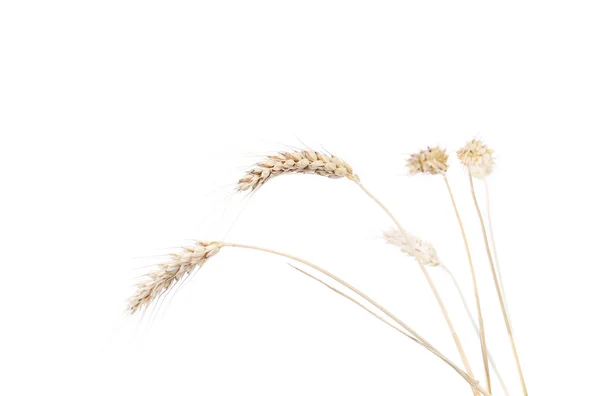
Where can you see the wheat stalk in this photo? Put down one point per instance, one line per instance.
(415, 339)
(195, 256)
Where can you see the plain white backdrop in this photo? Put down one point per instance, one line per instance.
(125, 124)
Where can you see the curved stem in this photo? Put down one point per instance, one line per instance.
(413, 334)
(474, 324)
(497, 285)
(427, 346)
(484, 351)
(459, 346)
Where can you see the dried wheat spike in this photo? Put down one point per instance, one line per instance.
(310, 162)
(478, 157)
(434, 160)
(180, 265)
(424, 249)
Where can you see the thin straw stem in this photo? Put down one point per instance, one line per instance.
(474, 324)
(484, 351)
(497, 285)
(459, 346)
(493, 240)
(380, 317)
(419, 339)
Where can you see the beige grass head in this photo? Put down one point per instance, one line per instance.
(423, 249)
(433, 160)
(477, 157)
(179, 266)
(305, 161)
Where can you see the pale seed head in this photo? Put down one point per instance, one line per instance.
(477, 157)
(423, 249)
(433, 160)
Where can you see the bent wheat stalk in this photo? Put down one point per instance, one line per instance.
(312, 162)
(418, 341)
(181, 265)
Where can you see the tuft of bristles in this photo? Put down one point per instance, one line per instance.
(423, 249)
(477, 157)
(180, 265)
(433, 160)
(305, 161)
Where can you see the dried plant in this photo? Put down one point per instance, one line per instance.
(424, 249)
(478, 159)
(477, 156)
(178, 267)
(434, 161)
(306, 161)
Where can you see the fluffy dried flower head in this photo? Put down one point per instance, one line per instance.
(306, 161)
(423, 249)
(180, 265)
(477, 157)
(434, 160)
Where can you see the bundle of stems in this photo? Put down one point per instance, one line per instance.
(478, 160)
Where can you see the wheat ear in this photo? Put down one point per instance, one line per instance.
(424, 249)
(178, 267)
(305, 161)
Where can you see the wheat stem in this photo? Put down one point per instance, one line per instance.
(497, 286)
(482, 339)
(381, 318)
(474, 325)
(459, 346)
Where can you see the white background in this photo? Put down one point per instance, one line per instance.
(125, 124)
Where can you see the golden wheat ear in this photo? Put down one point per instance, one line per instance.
(305, 161)
(181, 265)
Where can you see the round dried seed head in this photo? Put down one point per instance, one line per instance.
(306, 161)
(168, 273)
(433, 160)
(477, 157)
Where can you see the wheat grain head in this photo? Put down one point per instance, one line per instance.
(305, 161)
(179, 266)
(424, 249)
